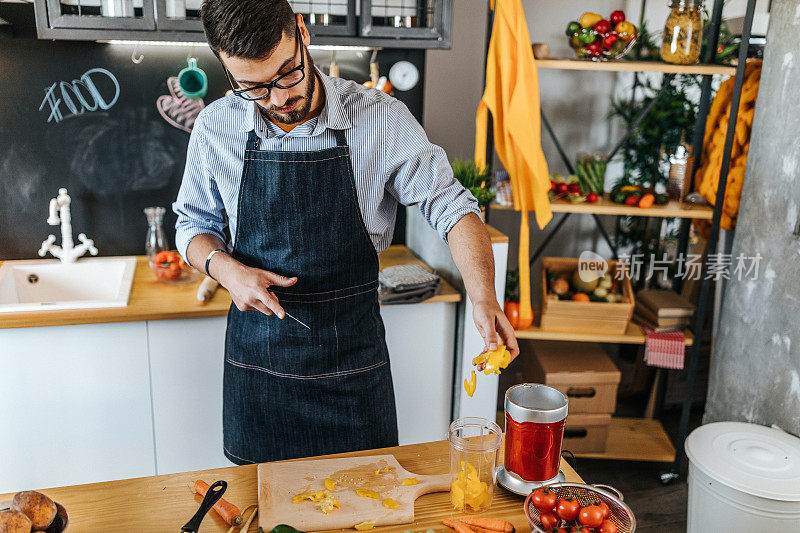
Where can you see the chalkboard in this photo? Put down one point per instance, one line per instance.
(83, 115)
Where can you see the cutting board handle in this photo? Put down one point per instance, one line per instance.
(437, 483)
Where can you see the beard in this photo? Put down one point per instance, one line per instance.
(299, 113)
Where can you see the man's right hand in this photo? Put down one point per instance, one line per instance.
(249, 287)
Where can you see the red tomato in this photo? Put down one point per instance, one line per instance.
(592, 197)
(604, 507)
(573, 187)
(162, 256)
(544, 499)
(549, 520)
(607, 526)
(552, 185)
(561, 188)
(617, 17)
(602, 26)
(591, 516)
(567, 508)
(632, 200)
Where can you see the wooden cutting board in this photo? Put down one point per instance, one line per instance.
(278, 483)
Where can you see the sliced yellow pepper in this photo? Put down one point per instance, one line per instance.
(470, 384)
(390, 503)
(365, 525)
(366, 493)
(330, 484)
(312, 496)
(468, 489)
(494, 360)
(409, 481)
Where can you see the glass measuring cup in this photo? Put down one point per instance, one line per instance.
(474, 451)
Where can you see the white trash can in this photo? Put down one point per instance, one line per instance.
(743, 478)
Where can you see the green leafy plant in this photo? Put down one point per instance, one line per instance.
(476, 180)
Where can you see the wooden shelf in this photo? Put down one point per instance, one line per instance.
(604, 206)
(634, 66)
(636, 439)
(633, 335)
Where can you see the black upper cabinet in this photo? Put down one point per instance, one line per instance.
(376, 23)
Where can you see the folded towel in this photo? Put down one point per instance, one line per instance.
(400, 278)
(387, 297)
(664, 350)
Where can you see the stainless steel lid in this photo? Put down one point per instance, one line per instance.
(534, 402)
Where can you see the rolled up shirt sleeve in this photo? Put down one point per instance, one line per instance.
(199, 205)
(419, 173)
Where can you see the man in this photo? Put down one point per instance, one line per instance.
(309, 171)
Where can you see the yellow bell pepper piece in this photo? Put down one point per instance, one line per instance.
(494, 360)
(589, 19)
(468, 489)
(409, 481)
(329, 504)
(470, 384)
(312, 496)
(365, 525)
(330, 484)
(366, 493)
(390, 503)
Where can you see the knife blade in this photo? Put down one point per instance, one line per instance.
(297, 320)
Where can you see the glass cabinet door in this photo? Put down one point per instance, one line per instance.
(101, 14)
(179, 15)
(327, 17)
(409, 19)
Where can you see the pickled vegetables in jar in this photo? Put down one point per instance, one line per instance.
(683, 32)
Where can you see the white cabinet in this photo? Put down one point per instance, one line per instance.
(74, 405)
(421, 342)
(186, 360)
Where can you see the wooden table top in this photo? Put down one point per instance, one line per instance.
(164, 503)
(151, 299)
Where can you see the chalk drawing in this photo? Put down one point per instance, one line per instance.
(79, 96)
(176, 109)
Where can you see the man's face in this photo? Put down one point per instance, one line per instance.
(288, 106)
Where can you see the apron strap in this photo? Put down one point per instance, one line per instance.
(340, 139)
(252, 141)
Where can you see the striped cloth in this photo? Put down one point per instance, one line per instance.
(392, 158)
(664, 350)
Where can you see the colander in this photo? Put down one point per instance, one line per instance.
(621, 514)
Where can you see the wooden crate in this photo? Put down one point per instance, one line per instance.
(590, 317)
(586, 433)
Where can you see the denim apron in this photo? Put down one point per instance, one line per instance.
(288, 391)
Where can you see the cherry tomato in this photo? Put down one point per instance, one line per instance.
(633, 199)
(549, 520)
(544, 499)
(567, 508)
(573, 187)
(592, 197)
(617, 17)
(606, 511)
(607, 526)
(561, 188)
(552, 185)
(591, 516)
(162, 256)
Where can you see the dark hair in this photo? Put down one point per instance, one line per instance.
(250, 29)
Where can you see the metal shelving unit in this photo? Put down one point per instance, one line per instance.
(707, 69)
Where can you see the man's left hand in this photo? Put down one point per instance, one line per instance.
(494, 327)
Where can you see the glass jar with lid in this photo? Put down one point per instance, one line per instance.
(683, 32)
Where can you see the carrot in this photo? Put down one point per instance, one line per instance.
(493, 524)
(459, 526)
(229, 512)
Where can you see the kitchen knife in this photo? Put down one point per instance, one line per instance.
(215, 492)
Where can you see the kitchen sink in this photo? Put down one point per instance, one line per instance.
(44, 284)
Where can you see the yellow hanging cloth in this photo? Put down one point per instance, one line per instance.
(512, 95)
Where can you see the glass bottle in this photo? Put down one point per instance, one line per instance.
(683, 32)
(156, 240)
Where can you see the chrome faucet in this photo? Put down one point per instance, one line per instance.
(60, 214)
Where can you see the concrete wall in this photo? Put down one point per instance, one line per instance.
(756, 362)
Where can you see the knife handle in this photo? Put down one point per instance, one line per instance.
(215, 492)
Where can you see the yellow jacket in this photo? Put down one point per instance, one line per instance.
(512, 96)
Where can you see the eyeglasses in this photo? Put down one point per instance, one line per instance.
(262, 90)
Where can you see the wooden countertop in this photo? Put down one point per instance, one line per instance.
(151, 299)
(164, 503)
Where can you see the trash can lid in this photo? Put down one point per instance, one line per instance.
(754, 459)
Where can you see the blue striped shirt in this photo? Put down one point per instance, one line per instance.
(393, 162)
